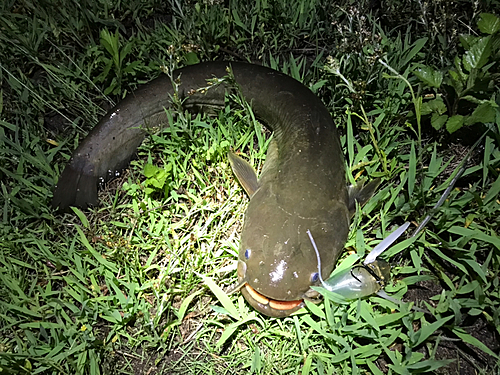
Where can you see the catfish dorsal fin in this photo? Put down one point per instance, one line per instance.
(361, 193)
(245, 173)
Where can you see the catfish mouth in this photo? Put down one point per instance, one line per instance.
(272, 307)
(273, 303)
(266, 305)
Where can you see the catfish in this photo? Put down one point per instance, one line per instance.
(302, 185)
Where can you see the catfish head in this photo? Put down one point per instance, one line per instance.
(277, 263)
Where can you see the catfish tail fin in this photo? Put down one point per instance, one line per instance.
(75, 188)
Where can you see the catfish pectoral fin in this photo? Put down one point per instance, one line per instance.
(75, 188)
(245, 173)
(361, 193)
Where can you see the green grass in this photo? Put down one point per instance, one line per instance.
(137, 285)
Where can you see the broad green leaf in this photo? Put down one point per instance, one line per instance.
(315, 309)
(418, 45)
(391, 335)
(445, 257)
(131, 67)
(488, 145)
(489, 23)
(38, 325)
(127, 48)
(220, 310)
(191, 58)
(318, 85)
(429, 76)
(437, 121)
(475, 312)
(495, 43)
(472, 99)
(454, 123)
(306, 368)
(483, 113)
(467, 40)
(371, 350)
(350, 140)
(374, 369)
(469, 287)
(94, 365)
(477, 268)
(22, 310)
(150, 170)
(348, 262)
(237, 20)
(56, 355)
(111, 43)
(437, 105)
(478, 55)
(456, 81)
(334, 297)
(400, 246)
(425, 109)
(410, 280)
(340, 357)
(120, 296)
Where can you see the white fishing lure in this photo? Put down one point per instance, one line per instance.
(362, 280)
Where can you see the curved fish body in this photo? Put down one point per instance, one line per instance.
(302, 185)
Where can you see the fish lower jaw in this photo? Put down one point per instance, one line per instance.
(269, 306)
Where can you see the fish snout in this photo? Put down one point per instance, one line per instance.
(267, 305)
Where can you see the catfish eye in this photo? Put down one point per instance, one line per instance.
(314, 277)
(248, 252)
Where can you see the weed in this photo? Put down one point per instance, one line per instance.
(467, 94)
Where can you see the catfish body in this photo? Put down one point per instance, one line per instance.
(302, 185)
